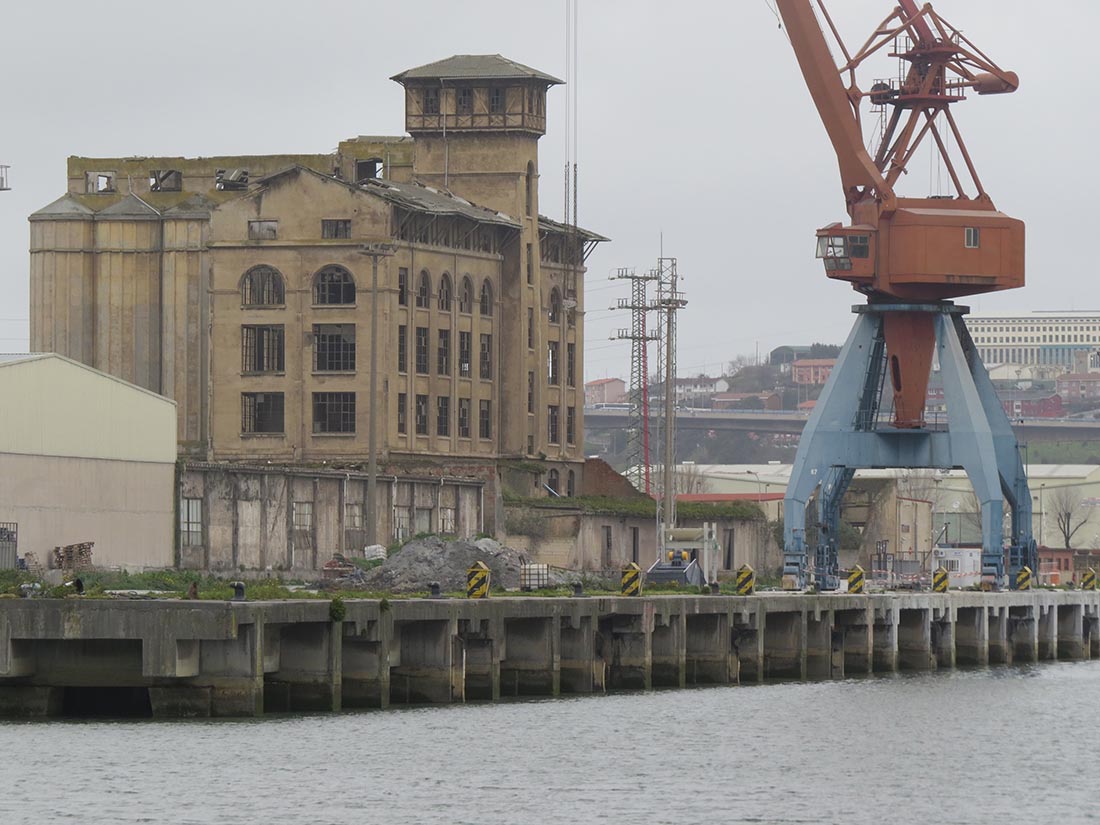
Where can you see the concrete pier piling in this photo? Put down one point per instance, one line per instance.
(169, 658)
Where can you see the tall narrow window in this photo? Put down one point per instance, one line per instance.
(486, 356)
(466, 296)
(443, 415)
(552, 363)
(424, 290)
(403, 286)
(443, 362)
(445, 293)
(571, 490)
(402, 413)
(465, 354)
(402, 349)
(486, 299)
(530, 264)
(190, 522)
(464, 103)
(262, 348)
(431, 101)
(496, 101)
(553, 480)
(421, 415)
(552, 424)
(333, 347)
(530, 327)
(422, 350)
(261, 412)
(554, 313)
(570, 425)
(484, 419)
(464, 418)
(333, 412)
(571, 365)
(530, 392)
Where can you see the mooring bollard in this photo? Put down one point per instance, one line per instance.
(435, 591)
(1023, 578)
(477, 581)
(578, 589)
(632, 580)
(939, 580)
(1088, 580)
(715, 589)
(746, 580)
(238, 592)
(855, 579)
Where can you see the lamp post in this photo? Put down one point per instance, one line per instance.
(374, 251)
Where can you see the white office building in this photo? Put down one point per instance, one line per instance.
(1036, 339)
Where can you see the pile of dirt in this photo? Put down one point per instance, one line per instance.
(432, 559)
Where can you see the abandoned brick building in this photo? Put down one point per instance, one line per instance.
(240, 288)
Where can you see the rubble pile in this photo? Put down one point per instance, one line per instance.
(432, 559)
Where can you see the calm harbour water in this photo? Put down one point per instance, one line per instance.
(1004, 745)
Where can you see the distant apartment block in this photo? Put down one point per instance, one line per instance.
(812, 371)
(604, 391)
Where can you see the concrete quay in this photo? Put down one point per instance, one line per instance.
(168, 658)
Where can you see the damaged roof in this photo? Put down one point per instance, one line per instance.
(436, 201)
(548, 225)
(475, 67)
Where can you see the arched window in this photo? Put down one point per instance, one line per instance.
(333, 285)
(553, 479)
(466, 296)
(487, 299)
(571, 484)
(445, 292)
(555, 306)
(262, 286)
(424, 289)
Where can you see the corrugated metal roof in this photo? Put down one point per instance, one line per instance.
(436, 201)
(475, 67)
(549, 225)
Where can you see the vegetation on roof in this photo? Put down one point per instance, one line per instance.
(641, 507)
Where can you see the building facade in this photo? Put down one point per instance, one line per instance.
(1050, 340)
(239, 287)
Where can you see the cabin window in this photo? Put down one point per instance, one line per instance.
(973, 237)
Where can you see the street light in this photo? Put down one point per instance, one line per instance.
(374, 251)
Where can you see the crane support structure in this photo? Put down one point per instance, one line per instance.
(910, 256)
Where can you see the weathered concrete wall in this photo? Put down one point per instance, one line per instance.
(234, 659)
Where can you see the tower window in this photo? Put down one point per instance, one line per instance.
(431, 101)
(496, 101)
(465, 101)
(973, 237)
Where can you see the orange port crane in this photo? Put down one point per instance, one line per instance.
(901, 248)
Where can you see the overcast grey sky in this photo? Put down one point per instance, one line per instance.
(694, 122)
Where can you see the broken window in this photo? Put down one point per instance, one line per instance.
(466, 296)
(190, 522)
(261, 412)
(486, 303)
(403, 286)
(443, 415)
(262, 286)
(99, 183)
(496, 100)
(553, 479)
(231, 180)
(402, 413)
(165, 180)
(464, 418)
(530, 392)
(570, 425)
(431, 101)
(555, 306)
(486, 356)
(571, 490)
(262, 348)
(369, 169)
(333, 412)
(485, 419)
(443, 364)
(424, 290)
(444, 302)
(465, 101)
(333, 347)
(333, 285)
(530, 264)
(301, 521)
(421, 415)
(465, 355)
(552, 424)
(530, 327)
(402, 349)
(335, 229)
(571, 365)
(263, 230)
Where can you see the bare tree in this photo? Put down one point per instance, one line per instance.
(689, 479)
(1069, 514)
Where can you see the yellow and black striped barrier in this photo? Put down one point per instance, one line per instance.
(856, 579)
(632, 580)
(939, 580)
(746, 580)
(1088, 580)
(477, 581)
(1023, 578)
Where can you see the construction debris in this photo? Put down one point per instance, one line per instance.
(432, 559)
